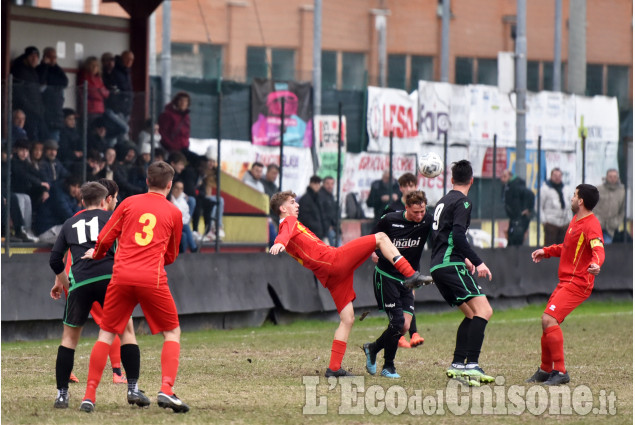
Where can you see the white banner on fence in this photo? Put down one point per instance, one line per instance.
(391, 109)
(237, 157)
(443, 108)
(552, 116)
(362, 169)
(326, 132)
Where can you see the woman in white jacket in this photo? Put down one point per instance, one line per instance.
(555, 213)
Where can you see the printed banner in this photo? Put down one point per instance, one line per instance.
(266, 106)
(362, 169)
(443, 109)
(326, 136)
(237, 157)
(391, 110)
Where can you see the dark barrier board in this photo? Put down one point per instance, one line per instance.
(235, 283)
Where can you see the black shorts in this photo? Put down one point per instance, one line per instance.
(80, 300)
(456, 284)
(391, 295)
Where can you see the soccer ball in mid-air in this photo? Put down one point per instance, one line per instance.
(430, 165)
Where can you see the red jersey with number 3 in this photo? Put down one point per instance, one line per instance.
(583, 244)
(305, 247)
(148, 227)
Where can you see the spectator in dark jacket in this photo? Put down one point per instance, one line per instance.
(329, 210)
(71, 148)
(26, 179)
(519, 206)
(122, 172)
(17, 128)
(310, 213)
(174, 124)
(53, 80)
(51, 167)
(63, 203)
(26, 93)
(121, 85)
(382, 192)
(97, 135)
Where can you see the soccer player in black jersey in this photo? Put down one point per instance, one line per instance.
(407, 183)
(452, 265)
(86, 282)
(408, 230)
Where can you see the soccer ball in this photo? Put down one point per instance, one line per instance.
(430, 165)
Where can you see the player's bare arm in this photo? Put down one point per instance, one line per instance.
(483, 271)
(594, 269)
(61, 282)
(276, 249)
(374, 257)
(88, 255)
(538, 255)
(470, 266)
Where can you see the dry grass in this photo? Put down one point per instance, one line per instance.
(255, 375)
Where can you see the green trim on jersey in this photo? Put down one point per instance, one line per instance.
(407, 312)
(439, 266)
(383, 273)
(88, 281)
(448, 251)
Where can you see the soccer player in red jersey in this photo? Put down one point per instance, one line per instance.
(581, 256)
(334, 267)
(96, 310)
(148, 228)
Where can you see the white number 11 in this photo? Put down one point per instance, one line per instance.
(93, 225)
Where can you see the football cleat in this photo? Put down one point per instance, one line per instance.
(417, 280)
(557, 378)
(403, 343)
(416, 340)
(119, 379)
(73, 379)
(390, 372)
(539, 376)
(61, 401)
(337, 373)
(87, 406)
(474, 373)
(455, 370)
(371, 358)
(172, 402)
(138, 397)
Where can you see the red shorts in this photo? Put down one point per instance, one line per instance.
(346, 259)
(157, 305)
(564, 299)
(97, 312)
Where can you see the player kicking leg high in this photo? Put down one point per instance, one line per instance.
(334, 267)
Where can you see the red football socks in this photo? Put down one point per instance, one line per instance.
(404, 267)
(547, 363)
(337, 354)
(555, 341)
(98, 359)
(169, 365)
(115, 353)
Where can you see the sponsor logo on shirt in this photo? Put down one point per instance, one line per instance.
(467, 204)
(552, 307)
(406, 243)
(389, 305)
(398, 225)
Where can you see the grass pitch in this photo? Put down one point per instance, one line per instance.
(256, 375)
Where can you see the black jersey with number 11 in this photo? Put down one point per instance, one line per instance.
(449, 228)
(79, 234)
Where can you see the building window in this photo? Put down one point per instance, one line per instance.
(397, 71)
(196, 60)
(547, 76)
(329, 70)
(618, 85)
(283, 64)
(594, 80)
(488, 72)
(65, 5)
(421, 68)
(257, 66)
(353, 68)
(463, 71)
(212, 57)
(533, 76)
